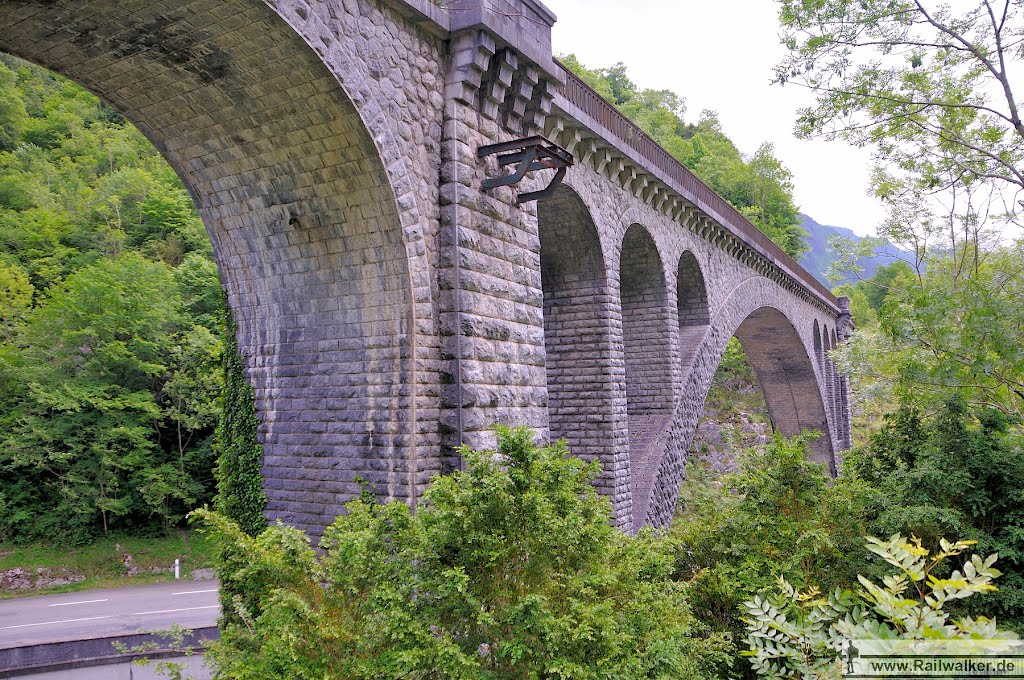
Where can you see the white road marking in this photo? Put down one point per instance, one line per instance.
(65, 604)
(170, 611)
(51, 623)
(193, 592)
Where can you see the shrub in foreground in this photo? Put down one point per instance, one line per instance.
(799, 635)
(509, 569)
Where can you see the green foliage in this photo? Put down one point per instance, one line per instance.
(956, 473)
(110, 322)
(510, 568)
(12, 110)
(955, 326)
(930, 88)
(760, 187)
(799, 635)
(778, 515)
(240, 495)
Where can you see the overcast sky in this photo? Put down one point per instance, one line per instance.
(719, 55)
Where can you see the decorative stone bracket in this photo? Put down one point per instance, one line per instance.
(499, 82)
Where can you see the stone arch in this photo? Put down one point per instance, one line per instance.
(584, 380)
(755, 312)
(302, 213)
(787, 377)
(647, 350)
(691, 307)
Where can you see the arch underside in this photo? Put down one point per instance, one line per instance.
(300, 211)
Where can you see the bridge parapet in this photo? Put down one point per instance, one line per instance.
(592, 128)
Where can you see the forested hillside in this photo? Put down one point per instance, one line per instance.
(110, 321)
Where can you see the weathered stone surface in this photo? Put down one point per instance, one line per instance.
(388, 309)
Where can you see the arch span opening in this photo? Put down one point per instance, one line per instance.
(787, 378)
(298, 206)
(647, 354)
(578, 317)
(692, 308)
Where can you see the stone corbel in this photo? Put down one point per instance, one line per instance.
(616, 168)
(538, 109)
(494, 90)
(524, 80)
(470, 60)
(650, 192)
(554, 126)
(586, 149)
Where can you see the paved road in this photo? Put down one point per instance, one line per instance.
(100, 613)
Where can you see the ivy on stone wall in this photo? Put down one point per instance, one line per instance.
(240, 493)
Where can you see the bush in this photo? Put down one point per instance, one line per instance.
(799, 635)
(956, 473)
(778, 515)
(510, 568)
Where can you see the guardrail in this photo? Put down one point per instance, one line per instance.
(597, 107)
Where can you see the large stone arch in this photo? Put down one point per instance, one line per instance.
(647, 351)
(310, 210)
(766, 324)
(785, 371)
(584, 379)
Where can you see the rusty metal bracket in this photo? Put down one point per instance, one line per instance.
(527, 154)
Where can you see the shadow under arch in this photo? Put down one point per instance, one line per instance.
(787, 378)
(648, 355)
(299, 208)
(584, 380)
(692, 308)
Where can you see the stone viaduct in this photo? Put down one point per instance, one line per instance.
(388, 307)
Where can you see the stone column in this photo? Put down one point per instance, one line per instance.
(497, 89)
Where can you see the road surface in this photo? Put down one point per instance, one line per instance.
(102, 613)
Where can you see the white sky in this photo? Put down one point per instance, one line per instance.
(719, 55)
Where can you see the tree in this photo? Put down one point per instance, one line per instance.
(942, 330)
(110, 371)
(12, 110)
(778, 515)
(929, 88)
(956, 473)
(509, 569)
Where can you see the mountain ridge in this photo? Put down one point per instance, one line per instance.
(819, 255)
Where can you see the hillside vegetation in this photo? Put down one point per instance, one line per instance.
(110, 322)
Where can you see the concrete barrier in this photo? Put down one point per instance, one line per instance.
(59, 658)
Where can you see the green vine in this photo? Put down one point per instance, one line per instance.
(239, 476)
